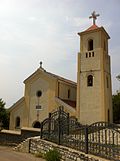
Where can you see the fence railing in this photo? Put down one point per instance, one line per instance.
(101, 138)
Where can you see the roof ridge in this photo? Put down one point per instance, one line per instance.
(61, 78)
(94, 26)
(53, 75)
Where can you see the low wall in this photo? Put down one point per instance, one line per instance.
(29, 132)
(37, 145)
(9, 137)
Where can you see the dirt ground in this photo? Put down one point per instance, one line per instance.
(7, 154)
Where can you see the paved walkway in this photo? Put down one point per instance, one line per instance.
(7, 154)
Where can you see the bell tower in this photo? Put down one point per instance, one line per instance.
(94, 93)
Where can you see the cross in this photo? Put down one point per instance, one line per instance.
(94, 16)
(40, 64)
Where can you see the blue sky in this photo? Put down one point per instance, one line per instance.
(46, 30)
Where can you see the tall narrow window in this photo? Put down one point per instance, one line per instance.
(68, 93)
(90, 45)
(108, 115)
(36, 124)
(90, 80)
(104, 45)
(17, 123)
(89, 54)
(107, 82)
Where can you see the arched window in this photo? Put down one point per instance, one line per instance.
(108, 115)
(17, 122)
(107, 82)
(104, 45)
(90, 45)
(90, 80)
(36, 124)
(68, 93)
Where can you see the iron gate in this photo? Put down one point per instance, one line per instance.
(52, 128)
(101, 138)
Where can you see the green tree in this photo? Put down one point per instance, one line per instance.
(118, 77)
(116, 107)
(4, 115)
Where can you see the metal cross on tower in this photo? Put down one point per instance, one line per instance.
(40, 64)
(94, 16)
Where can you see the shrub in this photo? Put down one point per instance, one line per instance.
(52, 155)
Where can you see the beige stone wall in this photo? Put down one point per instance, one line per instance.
(96, 36)
(63, 91)
(90, 63)
(93, 102)
(108, 89)
(17, 112)
(90, 99)
(48, 85)
(43, 85)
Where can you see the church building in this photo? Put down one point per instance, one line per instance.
(89, 100)
(44, 92)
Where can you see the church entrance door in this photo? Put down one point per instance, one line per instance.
(36, 124)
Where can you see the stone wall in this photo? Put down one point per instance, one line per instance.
(37, 145)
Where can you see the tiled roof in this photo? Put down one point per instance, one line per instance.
(93, 27)
(69, 102)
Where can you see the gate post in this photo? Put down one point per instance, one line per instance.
(49, 125)
(86, 139)
(59, 125)
(41, 130)
(67, 123)
(29, 142)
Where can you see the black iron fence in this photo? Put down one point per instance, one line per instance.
(101, 138)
